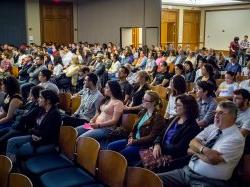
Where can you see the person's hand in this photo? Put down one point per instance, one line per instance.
(35, 138)
(130, 141)
(157, 151)
(94, 125)
(190, 151)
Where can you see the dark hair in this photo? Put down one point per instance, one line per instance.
(11, 85)
(190, 65)
(190, 106)
(41, 56)
(236, 38)
(93, 78)
(115, 89)
(244, 93)
(116, 57)
(35, 91)
(181, 67)
(125, 69)
(206, 86)
(57, 60)
(51, 96)
(46, 73)
(210, 70)
(231, 73)
(85, 69)
(179, 85)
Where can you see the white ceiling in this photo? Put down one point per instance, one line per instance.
(201, 3)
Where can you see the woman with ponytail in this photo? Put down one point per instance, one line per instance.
(146, 129)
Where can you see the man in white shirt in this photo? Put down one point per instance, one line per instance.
(66, 56)
(216, 152)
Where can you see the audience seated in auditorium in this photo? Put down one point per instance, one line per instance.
(189, 71)
(234, 66)
(24, 118)
(45, 134)
(216, 152)
(151, 64)
(115, 65)
(163, 77)
(145, 130)
(23, 73)
(207, 74)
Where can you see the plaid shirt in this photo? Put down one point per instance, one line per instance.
(244, 44)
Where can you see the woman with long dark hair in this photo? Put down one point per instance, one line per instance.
(12, 101)
(108, 115)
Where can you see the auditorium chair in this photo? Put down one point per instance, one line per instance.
(82, 173)
(63, 158)
(19, 180)
(5, 168)
(137, 177)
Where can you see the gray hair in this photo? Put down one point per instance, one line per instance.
(230, 106)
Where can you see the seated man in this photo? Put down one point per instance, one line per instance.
(91, 98)
(44, 77)
(241, 100)
(216, 152)
(206, 102)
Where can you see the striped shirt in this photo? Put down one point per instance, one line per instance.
(90, 102)
(244, 44)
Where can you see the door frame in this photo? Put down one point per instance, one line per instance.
(177, 11)
(47, 2)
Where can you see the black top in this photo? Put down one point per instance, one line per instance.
(7, 101)
(159, 77)
(126, 87)
(137, 94)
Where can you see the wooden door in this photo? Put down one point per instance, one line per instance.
(135, 37)
(191, 29)
(56, 22)
(169, 27)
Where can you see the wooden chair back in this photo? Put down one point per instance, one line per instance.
(111, 168)
(162, 91)
(219, 81)
(164, 107)
(87, 153)
(128, 121)
(19, 180)
(65, 102)
(225, 98)
(5, 168)
(75, 103)
(14, 71)
(67, 141)
(137, 177)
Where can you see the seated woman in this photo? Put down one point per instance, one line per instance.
(189, 71)
(177, 86)
(175, 139)
(24, 118)
(227, 87)
(207, 74)
(115, 65)
(5, 65)
(140, 87)
(108, 115)
(163, 77)
(45, 133)
(145, 129)
(12, 101)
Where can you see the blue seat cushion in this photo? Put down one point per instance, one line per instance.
(67, 177)
(47, 162)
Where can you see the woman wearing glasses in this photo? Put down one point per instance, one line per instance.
(145, 130)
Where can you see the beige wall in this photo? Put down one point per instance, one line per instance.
(33, 21)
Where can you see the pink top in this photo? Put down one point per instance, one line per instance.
(108, 110)
(158, 63)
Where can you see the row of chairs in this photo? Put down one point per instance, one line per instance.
(68, 103)
(87, 166)
(8, 179)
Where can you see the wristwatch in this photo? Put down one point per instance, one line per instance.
(201, 149)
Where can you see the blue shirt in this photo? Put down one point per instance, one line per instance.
(141, 122)
(233, 67)
(171, 132)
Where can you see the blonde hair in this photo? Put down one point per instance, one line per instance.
(144, 75)
(75, 60)
(155, 98)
